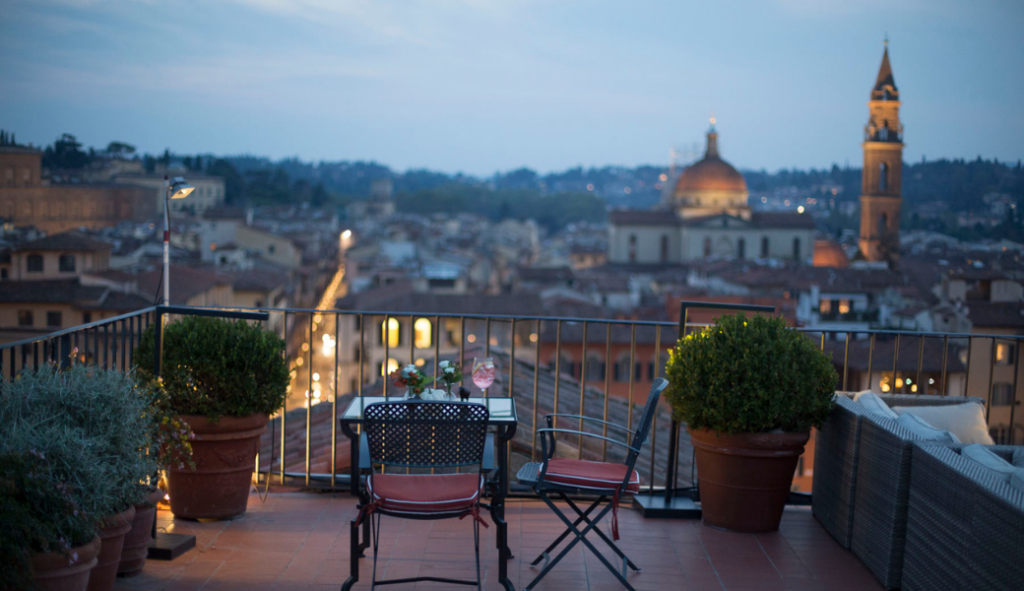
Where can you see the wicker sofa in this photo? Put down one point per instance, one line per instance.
(965, 525)
(861, 481)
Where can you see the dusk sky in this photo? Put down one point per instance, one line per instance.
(480, 86)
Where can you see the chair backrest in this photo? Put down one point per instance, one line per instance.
(426, 434)
(646, 418)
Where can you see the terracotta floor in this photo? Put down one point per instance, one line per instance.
(299, 541)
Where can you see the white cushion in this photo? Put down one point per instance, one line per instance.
(872, 403)
(982, 455)
(923, 430)
(966, 421)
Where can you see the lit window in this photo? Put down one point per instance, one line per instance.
(391, 330)
(825, 306)
(392, 366)
(424, 333)
(844, 306)
(1004, 353)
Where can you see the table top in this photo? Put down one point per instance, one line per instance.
(502, 410)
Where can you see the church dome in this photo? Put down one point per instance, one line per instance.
(711, 173)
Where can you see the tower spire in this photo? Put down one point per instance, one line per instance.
(712, 150)
(885, 80)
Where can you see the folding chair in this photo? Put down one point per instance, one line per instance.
(424, 436)
(564, 477)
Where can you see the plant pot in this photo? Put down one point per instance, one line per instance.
(111, 532)
(52, 571)
(136, 541)
(745, 478)
(225, 456)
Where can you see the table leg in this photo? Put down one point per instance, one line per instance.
(504, 435)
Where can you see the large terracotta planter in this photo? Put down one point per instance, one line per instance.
(225, 455)
(136, 541)
(55, 572)
(745, 479)
(111, 535)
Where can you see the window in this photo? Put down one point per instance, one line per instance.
(258, 304)
(1004, 353)
(825, 306)
(26, 174)
(883, 177)
(764, 247)
(621, 369)
(664, 249)
(796, 249)
(25, 318)
(632, 248)
(86, 317)
(392, 366)
(595, 368)
(67, 263)
(1002, 394)
(707, 247)
(392, 331)
(883, 224)
(741, 248)
(844, 306)
(54, 319)
(424, 333)
(35, 263)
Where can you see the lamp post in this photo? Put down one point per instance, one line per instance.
(177, 188)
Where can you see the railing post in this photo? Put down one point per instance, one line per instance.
(64, 358)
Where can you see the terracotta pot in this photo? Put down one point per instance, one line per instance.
(55, 572)
(111, 532)
(136, 541)
(745, 478)
(225, 456)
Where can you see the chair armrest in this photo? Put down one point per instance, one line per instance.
(487, 463)
(590, 419)
(584, 433)
(365, 465)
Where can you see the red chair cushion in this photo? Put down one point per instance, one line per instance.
(590, 475)
(425, 494)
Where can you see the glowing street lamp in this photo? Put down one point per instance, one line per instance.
(173, 189)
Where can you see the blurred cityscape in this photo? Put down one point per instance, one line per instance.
(928, 246)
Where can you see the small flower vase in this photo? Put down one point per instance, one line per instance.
(410, 395)
(448, 391)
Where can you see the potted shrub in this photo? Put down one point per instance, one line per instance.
(223, 379)
(169, 443)
(749, 391)
(47, 541)
(109, 416)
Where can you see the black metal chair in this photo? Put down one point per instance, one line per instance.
(425, 436)
(564, 477)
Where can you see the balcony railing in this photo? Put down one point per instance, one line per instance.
(337, 354)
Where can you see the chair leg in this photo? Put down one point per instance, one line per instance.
(600, 533)
(375, 538)
(476, 550)
(582, 517)
(580, 537)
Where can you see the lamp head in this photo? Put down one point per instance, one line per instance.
(180, 188)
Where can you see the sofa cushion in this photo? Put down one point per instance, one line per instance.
(1018, 457)
(872, 403)
(983, 456)
(1017, 479)
(923, 430)
(966, 421)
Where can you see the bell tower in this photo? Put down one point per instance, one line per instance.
(883, 170)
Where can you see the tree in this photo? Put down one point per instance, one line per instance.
(120, 149)
(65, 153)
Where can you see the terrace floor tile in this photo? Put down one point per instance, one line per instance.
(298, 541)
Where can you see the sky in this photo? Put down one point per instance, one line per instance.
(480, 86)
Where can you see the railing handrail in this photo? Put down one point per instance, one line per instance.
(65, 331)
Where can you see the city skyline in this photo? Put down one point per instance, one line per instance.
(480, 87)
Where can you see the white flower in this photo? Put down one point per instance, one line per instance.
(445, 364)
(449, 370)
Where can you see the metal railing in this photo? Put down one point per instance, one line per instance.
(545, 364)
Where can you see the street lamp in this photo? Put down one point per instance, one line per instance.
(173, 189)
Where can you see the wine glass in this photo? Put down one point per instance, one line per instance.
(483, 373)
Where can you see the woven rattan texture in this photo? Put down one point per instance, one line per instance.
(959, 523)
(881, 489)
(835, 469)
(426, 434)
